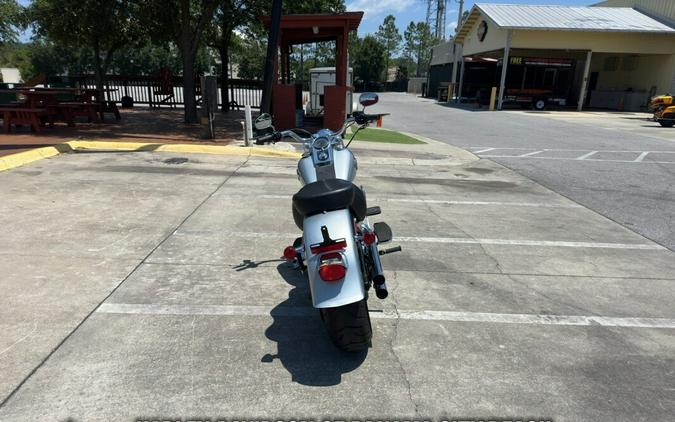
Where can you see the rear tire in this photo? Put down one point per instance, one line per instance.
(539, 104)
(348, 326)
(666, 124)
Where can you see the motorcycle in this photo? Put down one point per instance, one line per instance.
(338, 249)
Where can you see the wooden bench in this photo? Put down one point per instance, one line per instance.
(22, 116)
(109, 107)
(75, 109)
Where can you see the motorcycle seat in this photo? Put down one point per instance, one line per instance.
(329, 195)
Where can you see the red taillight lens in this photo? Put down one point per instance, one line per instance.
(290, 253)
(369, 238)
(332, 272)
(331, 267)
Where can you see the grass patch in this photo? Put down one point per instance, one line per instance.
(386, 136)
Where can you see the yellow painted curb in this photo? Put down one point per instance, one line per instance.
(22, 158)
(185, 148)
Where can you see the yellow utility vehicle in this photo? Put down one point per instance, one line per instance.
(663, 107)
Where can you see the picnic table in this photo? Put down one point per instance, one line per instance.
(42, 106)
(94, 95)
(23, 116)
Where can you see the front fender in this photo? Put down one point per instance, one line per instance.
(337, 293)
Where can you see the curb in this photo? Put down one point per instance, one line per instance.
(461, 155)
(456, 151)
(22, 158)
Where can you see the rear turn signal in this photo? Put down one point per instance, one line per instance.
(289, 253)
(369, 238)
(332, 268)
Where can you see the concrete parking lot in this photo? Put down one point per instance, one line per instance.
(150, 285)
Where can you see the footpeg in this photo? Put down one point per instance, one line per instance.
(383, 232)
(370, 211)
(390, 250)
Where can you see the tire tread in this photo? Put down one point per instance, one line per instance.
(349, 326)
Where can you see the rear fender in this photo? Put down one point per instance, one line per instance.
(336, 293)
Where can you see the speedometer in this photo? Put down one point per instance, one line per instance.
(321, 143)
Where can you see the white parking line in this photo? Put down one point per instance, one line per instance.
(451, 240)
(549, 243)
(287, 311)
(585, 156)
(641, 156)
(529, 154)
(567, 149)
(483, 150)
(595, 160)
(447, 202)
(438, 201)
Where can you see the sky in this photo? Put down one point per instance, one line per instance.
(407, 11)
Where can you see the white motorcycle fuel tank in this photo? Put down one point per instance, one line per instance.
(331, 163)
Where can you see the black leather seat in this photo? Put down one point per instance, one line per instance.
(328, 195)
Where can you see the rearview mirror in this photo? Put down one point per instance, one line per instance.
(263, 122)
(368, 98)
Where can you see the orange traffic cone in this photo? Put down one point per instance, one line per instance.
(379, 121)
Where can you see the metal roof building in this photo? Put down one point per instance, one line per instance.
(663, 10)
(562, 18)
(613, 57)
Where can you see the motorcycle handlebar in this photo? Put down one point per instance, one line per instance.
(358, 117)
(363, 118)
(293, 135)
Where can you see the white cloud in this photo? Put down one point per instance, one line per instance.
(379, 8)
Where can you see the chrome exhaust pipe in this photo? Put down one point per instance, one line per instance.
(378, 273)
(381, 291)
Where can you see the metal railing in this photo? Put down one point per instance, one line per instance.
(148, 90)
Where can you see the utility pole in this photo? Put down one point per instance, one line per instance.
(272, 47)
(459, 15)
(456, 49)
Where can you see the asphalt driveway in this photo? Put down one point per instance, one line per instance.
(618, 164)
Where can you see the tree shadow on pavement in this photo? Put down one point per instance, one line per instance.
(303, 347)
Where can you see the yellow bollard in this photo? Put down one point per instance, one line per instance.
(493, 98)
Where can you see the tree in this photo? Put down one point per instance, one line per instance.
(230, 15)
(147, 59)
(183, 22)
(249, 53)
(103, 26)
(313, 6)
(418, 42)
(10, 12)
(388, 35)
(368, 59)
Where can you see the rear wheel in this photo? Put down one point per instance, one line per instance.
(667, 124)
(348, 326)
(539, 104)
